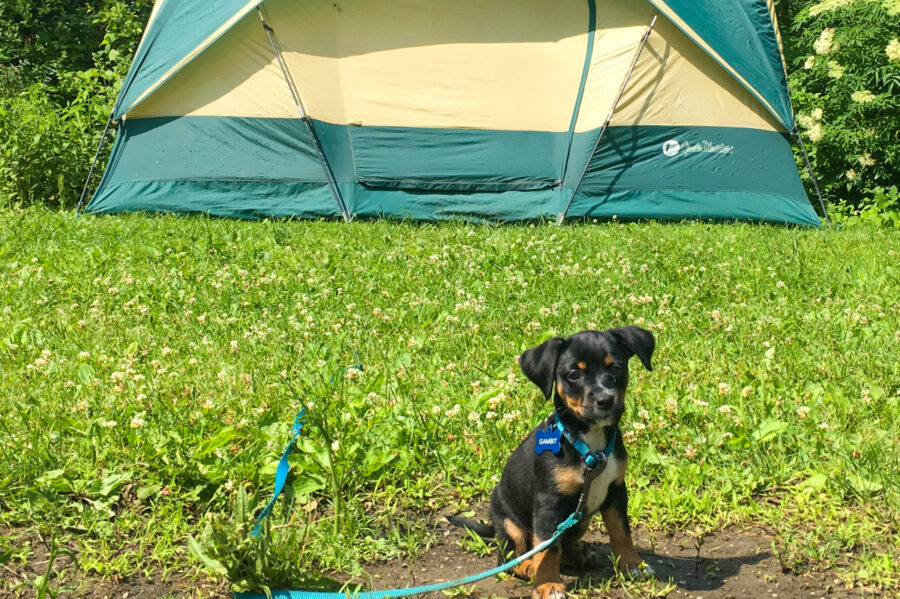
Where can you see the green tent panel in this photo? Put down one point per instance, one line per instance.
(507, 110)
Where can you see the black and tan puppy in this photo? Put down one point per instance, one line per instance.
(586, 375)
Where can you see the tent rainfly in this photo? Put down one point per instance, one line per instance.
(500, 110)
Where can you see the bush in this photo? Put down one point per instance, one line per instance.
(51, 119)
(845, 83)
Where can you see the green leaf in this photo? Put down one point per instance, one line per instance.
(211, 563)
(148, 491)
(816, 481)
(768, 430)
(215, 442)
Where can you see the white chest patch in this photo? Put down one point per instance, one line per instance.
(600, 487)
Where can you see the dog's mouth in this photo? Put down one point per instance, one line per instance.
(604, 416)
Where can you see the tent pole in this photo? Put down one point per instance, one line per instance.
(295, 94)
(812, 174)
(94, 162)
(562, 215)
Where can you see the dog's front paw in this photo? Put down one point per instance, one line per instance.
(550, 590)
(641, 572)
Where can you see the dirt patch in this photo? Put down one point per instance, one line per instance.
(17, 579)
(729, 564)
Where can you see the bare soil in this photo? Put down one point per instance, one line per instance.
(729, 564)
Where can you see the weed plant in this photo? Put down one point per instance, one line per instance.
(150, 369)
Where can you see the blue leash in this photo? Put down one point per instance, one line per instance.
(428, 588)
(282, 471)
(280, 478)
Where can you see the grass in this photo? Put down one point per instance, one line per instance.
(150, 369)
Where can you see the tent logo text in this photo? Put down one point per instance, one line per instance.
(673, 147)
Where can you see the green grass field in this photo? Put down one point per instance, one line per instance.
(150, 369)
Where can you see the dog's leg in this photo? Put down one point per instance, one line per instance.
(572, 555)
(546, 580)
(514, 541)
(615, 517)
(547, 583)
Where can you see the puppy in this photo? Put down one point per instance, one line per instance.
(550, 475)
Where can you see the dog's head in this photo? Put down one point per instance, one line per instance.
(589, 370)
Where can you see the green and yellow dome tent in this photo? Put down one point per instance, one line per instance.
(500, 109)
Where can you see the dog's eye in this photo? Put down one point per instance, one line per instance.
(575, 375)
(616, 370)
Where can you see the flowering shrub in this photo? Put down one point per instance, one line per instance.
(845, 82)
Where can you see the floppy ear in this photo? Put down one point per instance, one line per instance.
(538, 363)
(637, 340)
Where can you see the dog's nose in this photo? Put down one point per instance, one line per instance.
(603, 399)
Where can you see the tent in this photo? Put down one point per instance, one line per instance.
(487, 109)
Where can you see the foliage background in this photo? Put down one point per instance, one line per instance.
(61, 64)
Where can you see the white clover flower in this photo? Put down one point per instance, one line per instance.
(851, 174)
(671, 404)
(746, 391)
(725, 409)
(817, 114)
(136, 423)
(803, 412)
(208, 405)
(474, 417)
(110, 424)
(83, 355)
(825, 43)
(810, 62)
(320, 363)
(724, 388)
(436, 410)
(644, 415)
(690, 452)
(335, 446)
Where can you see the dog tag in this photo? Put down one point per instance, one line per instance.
(547, 440)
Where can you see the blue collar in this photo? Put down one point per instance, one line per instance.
(592, 459)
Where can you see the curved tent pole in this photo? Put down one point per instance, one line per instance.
(562, 215)
(295, 94)
(812, 174)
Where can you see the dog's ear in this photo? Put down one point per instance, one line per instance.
(538, 363)
(638, 341)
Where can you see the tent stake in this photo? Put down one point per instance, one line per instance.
(295, 94)
(812, 174)
(562, 215)
(94, 162)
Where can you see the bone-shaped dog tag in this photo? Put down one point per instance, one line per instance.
(547, 440)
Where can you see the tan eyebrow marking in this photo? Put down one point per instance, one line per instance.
(608, 360)
(582, 365)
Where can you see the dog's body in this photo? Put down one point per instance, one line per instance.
(586, 375)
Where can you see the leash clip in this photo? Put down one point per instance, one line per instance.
(595, 460)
